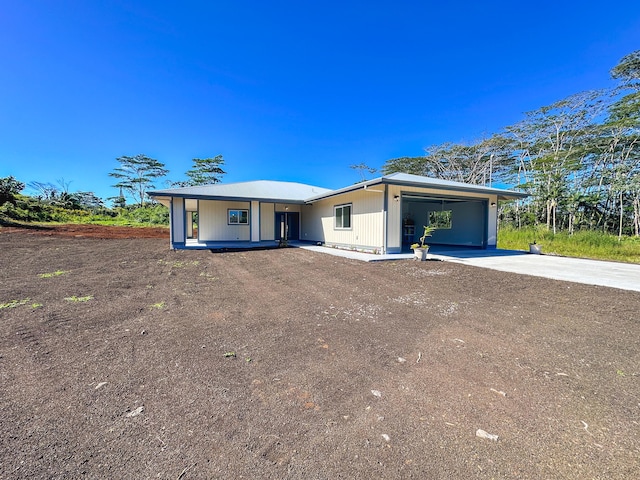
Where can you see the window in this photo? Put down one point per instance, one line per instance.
(342, 215)
(238, 217)
(440, 219)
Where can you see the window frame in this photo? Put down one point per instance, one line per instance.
(342, 207)
(238, 212)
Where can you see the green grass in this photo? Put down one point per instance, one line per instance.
(14, 303)
(583, 244)
(57, 273)
(75, 299)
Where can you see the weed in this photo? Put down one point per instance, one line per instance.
(159, 305)
(73, 298)
(620, 373)
(36, 305)
(57, 273)
(230, 355)
(14, 303)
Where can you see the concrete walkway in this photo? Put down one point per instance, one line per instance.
(624, 276)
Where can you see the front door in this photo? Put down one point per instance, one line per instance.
(287, 225)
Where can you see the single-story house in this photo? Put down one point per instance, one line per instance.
(384, 215)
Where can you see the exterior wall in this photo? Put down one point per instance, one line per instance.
(267, 221)
(212, 217)
(177, 219)
(367, 224)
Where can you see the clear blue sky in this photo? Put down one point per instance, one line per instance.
(284, 90)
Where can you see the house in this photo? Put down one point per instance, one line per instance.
(383, 215)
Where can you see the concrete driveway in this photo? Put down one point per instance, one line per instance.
(624, 276)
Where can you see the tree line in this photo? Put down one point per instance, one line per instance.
(135, 176)
(578, 158)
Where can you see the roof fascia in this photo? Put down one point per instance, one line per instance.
(228, 198)
(502, 194)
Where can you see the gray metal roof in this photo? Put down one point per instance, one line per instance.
(291, 192)
(264, 190)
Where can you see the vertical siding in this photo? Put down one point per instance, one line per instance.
(254, 220)
(213, 221)
(267, 221)
(177, 221)
(366, 230)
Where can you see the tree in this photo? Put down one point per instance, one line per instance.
(136, 175)
(205, 171)
(9, 188)
(628, 70)
(363, 169)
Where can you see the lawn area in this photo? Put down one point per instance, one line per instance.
(582, 244)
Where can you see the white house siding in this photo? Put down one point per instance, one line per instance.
(177, 221)
(366, 232)
(212, 218)
(267, 221)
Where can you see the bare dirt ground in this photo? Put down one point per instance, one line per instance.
(128, 360)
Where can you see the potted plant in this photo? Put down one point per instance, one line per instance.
(420, 249)
(535, 247)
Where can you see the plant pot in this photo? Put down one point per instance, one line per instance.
(535, 248)
(421, 253)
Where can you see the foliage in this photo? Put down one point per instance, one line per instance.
(9, 188)
(428, 231)
(135, 176)
(578, 158)
(582, 244)
(205, 171)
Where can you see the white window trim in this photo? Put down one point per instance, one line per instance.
(239, 215)
(335, 209)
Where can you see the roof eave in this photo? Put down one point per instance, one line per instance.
(294, 201)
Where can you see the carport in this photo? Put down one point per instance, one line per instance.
(461, 221)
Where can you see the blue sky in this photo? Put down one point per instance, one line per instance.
(284, 90)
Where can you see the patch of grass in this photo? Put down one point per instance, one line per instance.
(179, 264)
(159, 305)
(582, 244)
(14, 303)
(36, 305)
(57, 273)
(73, 298)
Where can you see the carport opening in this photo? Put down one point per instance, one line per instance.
(460, 221)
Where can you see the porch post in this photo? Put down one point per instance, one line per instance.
(255, 221)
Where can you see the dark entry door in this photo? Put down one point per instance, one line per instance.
(288, 222)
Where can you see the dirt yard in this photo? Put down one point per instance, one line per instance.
(120, 358)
